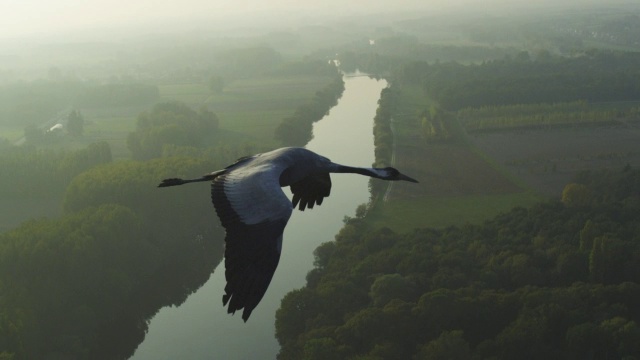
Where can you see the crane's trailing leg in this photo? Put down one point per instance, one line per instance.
(178, 181)
(171, 182)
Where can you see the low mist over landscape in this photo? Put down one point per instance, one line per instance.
(519, 119)
(75, 18)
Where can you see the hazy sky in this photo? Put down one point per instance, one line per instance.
(29, 17)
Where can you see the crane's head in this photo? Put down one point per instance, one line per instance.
(393, 174)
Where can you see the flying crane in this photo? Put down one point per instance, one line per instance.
(254, 211)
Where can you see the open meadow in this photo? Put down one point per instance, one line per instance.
(250, 109)
(546, 160)
(457, 186)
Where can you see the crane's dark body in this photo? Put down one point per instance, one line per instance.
(254, 211)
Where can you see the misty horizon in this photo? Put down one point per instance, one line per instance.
(72, 19)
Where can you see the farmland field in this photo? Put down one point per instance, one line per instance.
(11, 133)
(256, 107)
(441, 211)
(458, 183)
(498, 171)
(251, 108)
(457, 186)
(546, 160)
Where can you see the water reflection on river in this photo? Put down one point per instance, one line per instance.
(200, 328)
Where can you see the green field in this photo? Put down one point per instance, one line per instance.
(113, 130)
(251, 108)
(458, 183)
(11, 133)
(441, 211)
(255, 107)
(192, 94)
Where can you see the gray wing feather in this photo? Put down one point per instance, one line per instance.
(254, 211)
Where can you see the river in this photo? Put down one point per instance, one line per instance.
(200, 328)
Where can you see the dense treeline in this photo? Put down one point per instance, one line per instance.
(383, 136)
(386, 54)
(84, 286)
(596, 76)
(171, 123)
(34, 102)
(62, 280)
(28, 172)
(248, 61)
(523, 109)
(435, 125)
(382, 133)
(38, 101)
(296, 130)
(305, 67)
(488, 118)
(559, 280)
(620, 29)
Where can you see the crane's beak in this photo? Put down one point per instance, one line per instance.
(406, 178)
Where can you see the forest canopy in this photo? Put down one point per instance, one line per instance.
(84, 285)
(171, 123)
(597, 76)
(554, 281)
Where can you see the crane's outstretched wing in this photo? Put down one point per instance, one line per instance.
(311, 190)
(254, 211)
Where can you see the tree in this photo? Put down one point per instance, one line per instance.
(33, 134)
(576, 195)
(363, 330)
(597, 259)
(391, 286)
(450, 345)
(295, 307)
(216, 84)
(172, 123)
(75, 123)
(320, 349)
(587, 234)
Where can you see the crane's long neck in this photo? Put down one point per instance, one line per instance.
(371, 172)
